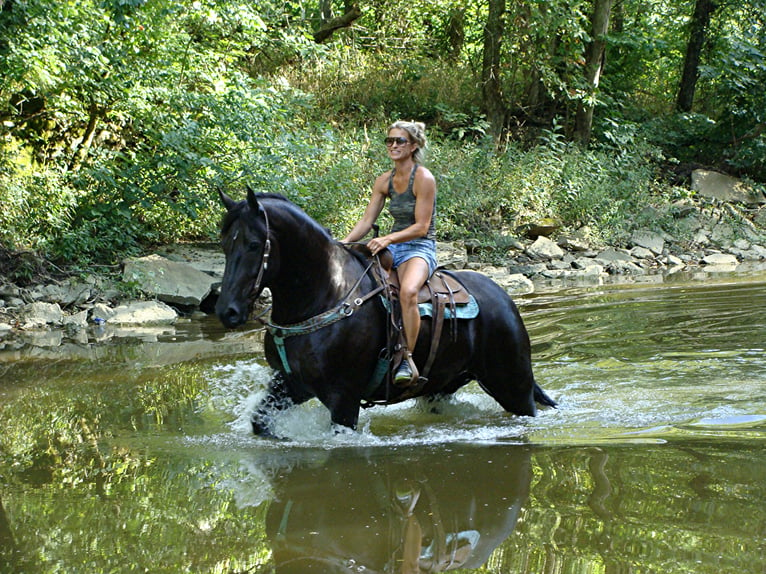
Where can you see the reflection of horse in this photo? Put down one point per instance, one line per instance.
(397, 512)
(329, 330)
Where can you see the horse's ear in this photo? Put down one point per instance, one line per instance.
(228, 202)
(252, 201)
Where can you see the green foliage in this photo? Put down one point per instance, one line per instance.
(120, 119)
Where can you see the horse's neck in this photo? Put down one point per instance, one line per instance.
(312, 279)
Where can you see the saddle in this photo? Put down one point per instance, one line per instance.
(442, 289)
(439, 283)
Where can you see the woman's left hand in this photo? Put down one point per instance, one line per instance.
(378, 244)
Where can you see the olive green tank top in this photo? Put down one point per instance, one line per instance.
(402, 206)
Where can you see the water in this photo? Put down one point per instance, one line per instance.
(134, 454)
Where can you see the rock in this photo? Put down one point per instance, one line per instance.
(723, 234)
(529, 270)
(451, 255)
(66, 294)
(142, 313)
(39, 314)
(101, 313)
(673, 261)
(722, 187)
(168, 281)
(719, 259)
(620, 267)
(641, 253)
(610, 255)
(542, 228)
(650, 240)
(573, 242)
(208, 258)
(5, 327)
(76, 320)
(544, 248)
(514, 284)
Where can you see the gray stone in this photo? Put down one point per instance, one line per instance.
(650, 240)
(101, 313)
(573, 242)
(143, 313)
(559, 264)
(673, 261)
(168, 281)
(544, 248)
(39, 314)
(722, 187)
(528, 270)
(209, 259)
(620, 267)
(76, 320)
(609, 255)
(451, 255)
(641, 253)
(719, 259)
(514, 284)
(701, 237)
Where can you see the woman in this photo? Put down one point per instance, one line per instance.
(411, 189)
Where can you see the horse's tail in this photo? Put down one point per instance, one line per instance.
(542, 397)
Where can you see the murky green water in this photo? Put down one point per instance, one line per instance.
(132, 454)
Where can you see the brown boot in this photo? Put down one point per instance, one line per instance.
(407, 373)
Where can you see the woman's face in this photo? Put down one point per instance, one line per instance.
(399, 144)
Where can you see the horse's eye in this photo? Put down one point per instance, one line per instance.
(254, 245)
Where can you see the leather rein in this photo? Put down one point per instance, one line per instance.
(344, 309)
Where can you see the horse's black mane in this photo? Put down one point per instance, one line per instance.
(236, 212)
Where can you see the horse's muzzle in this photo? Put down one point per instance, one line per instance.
(231, 314)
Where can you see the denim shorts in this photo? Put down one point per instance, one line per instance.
(423, 248)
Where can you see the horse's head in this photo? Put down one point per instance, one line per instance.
(246, 244)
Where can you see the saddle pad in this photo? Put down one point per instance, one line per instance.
(470, 310)
(467, 311)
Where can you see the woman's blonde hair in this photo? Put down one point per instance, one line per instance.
(417, 131)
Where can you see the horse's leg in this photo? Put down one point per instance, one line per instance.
(506, 372)
(344, 408)
(278, 399)
(542, 397)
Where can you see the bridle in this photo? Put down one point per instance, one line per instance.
(347, 306)
(266, 252)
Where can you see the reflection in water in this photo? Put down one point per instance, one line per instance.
(397, 512)
(137, 456)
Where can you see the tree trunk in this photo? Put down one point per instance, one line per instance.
(490, 71)
(81, 152)
(594, 64)
(697, 35)
(325, 10)
(333, 24)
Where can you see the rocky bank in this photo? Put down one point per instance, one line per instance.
(722, 230)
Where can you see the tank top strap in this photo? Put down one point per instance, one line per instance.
(412, 179)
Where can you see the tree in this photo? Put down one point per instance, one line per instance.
(594, 63)
(490, 71)
(698, 27)
(330, 24)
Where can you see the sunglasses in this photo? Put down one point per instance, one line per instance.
(398, 141)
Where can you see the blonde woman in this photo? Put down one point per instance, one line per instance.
(411, 191)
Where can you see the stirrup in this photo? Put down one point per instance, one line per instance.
(407, 373)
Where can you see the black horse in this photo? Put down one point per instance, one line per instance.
(328, 325)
